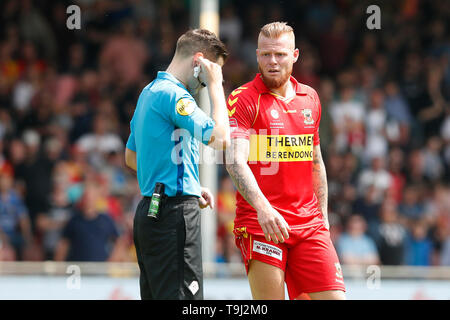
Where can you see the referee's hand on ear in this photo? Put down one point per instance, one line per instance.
(212, 71)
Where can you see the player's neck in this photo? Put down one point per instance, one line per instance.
(177, 69)
(286, 90)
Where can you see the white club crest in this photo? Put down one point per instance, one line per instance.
(274, 114)
(307, 115)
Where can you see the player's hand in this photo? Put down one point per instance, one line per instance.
(210, 72)
(207, 199)
(273, 225)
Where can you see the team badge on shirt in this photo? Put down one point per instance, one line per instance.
(307, 114)
(274, 113)
(185, 107)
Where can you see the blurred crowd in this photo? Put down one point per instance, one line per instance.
(67, 96)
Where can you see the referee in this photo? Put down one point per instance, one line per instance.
(163, 148)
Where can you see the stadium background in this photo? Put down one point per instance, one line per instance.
(67, 96)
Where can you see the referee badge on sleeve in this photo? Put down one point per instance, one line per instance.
(185, 107)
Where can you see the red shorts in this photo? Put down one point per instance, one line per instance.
(308, 258)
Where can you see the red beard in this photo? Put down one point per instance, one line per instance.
(274, 83)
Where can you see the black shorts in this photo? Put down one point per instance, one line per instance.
(169, 251)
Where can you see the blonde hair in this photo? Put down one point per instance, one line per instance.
(275, 29)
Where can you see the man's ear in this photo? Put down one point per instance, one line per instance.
(257, 55)
(195, 59)
(296, 54)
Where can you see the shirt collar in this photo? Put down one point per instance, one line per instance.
(164, 75)
(262, 88)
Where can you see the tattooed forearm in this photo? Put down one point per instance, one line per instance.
(242, 176)
(245, 182)
(320, 184)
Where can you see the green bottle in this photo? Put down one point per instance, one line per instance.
(155, 201)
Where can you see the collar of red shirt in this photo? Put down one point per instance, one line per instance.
(262, 88)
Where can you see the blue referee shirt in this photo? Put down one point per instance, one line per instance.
(165, 131)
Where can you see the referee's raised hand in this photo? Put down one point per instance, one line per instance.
(211, 73)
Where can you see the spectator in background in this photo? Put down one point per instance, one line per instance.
(433, 164)
(368, 82)
(24, 91)
(7, 252)
(17, 154)
(398, 180)
(100, 142)
(5, 165)
(15, 224)
(415, 168)
(376, 176)
(35, 27)
(343, 204)
(125, 54)
(226, 205)
(354, 246)
(368, 206)
(445, 134)
(76, 60)
(116, 174)
(36, 175)
(319, 16)
(445, 256)
(411, 209)
(83, 102)
(89, 235)
(368, 49)
(432, 111)
(51, 223)
(419, 248)
(413, 86)
(307, 71)
(226, 208)
(391, 235)
(348, 121)
(398, 113)
(326, 94)
(108, 201)
(437, 208)
(334, 45)
(336, 227)
(375, 124)
(230, 28)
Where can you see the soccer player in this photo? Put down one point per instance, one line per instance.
(281, 224)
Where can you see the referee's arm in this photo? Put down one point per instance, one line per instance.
(220, 136)
(130, 159)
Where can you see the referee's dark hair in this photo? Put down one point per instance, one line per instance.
(201, 40)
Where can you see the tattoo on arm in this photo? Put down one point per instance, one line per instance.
(320, 184)
(241, 174)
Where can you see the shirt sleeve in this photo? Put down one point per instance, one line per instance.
(186, 114)
(131, 143)
(316, 131)
(242, 115)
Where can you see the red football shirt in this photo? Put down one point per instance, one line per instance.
(282, 133)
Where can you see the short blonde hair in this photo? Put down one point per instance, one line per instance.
(275, 29)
